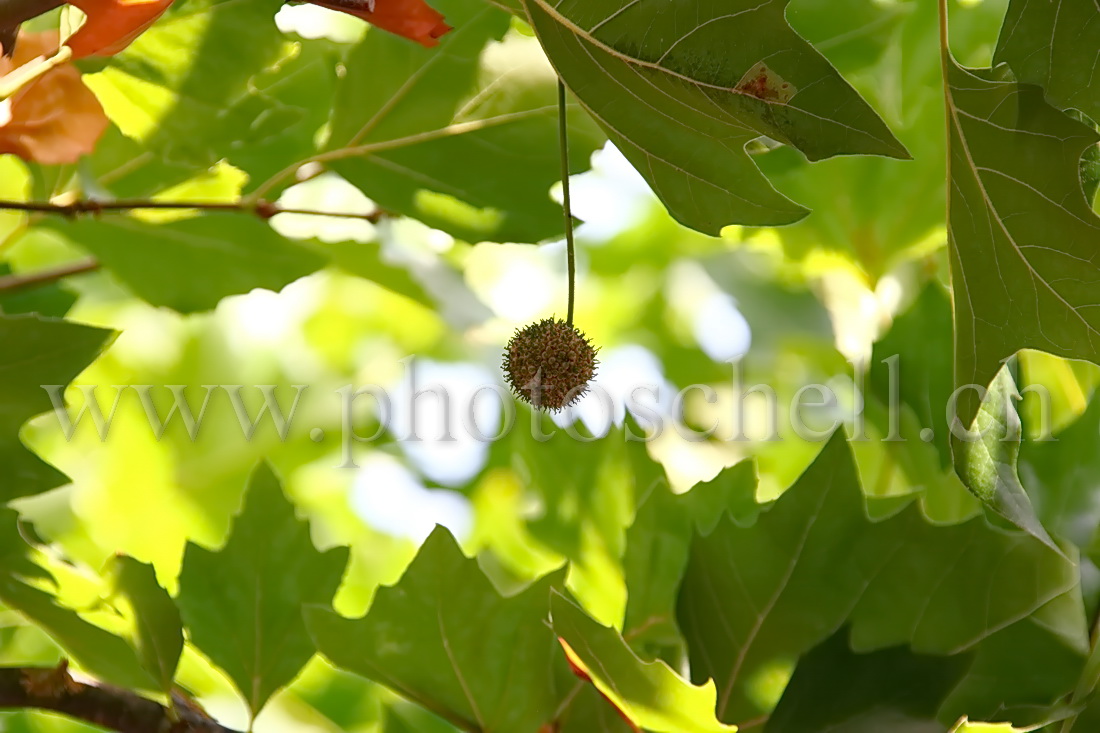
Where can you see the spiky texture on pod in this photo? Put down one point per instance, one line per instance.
(549, 364)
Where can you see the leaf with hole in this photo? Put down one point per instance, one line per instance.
(681, 88)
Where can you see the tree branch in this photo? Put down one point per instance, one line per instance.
(52, 688)
(261, 208)
(14, 283)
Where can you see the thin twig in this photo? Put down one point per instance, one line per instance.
(368, 149)
(563, 144)
(15, 283)
(261, 208)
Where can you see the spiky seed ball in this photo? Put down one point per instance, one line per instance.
(549, 364)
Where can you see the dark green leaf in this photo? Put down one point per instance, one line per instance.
(659, 540)
(191, 264)
(758, 597)
(50, 300)
(1054, 640)
(243, 603)
(681, 103)
(159, 630)
(445, 638)
(1063, 478)
(919, 345)
(1023, 237)
(36, 351)
(879, 212)
(1055, 45)
(836, 690)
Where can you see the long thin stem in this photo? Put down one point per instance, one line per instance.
(567, 207)
(33, 69)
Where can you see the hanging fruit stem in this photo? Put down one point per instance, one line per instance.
(563, 145)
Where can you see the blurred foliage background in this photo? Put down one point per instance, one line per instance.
(800, 305)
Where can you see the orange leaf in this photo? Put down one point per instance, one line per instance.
(112, 25)
(412, 19)
(55, 118)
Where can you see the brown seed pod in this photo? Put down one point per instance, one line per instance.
(549, 364)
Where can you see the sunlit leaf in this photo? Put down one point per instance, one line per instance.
(102, 653)
(159, 630)
(176, 88)
(650, 694)
(463, 137)
(986, 456)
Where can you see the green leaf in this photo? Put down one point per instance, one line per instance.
(1000, 685)
(920, 339)
(682, 103)
(50, 300)
(586, 488)
(36, 351)
(1022, 236)
(1062, 477)
(659, 541)
(649, 693)
(986, 455)
(754, 599)
(15, 553)
(965, 726)
(892, 689)
(159, 630)
(463, 137)
(191, 264)
(866, 208)
(445, 638)
(365, 260)
(1055, 45)
(287, 105)
(177, 89)
(102, 653)
(243, 603)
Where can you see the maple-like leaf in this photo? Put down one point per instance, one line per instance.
(112, 25)
(412, 19)
(53, 119)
